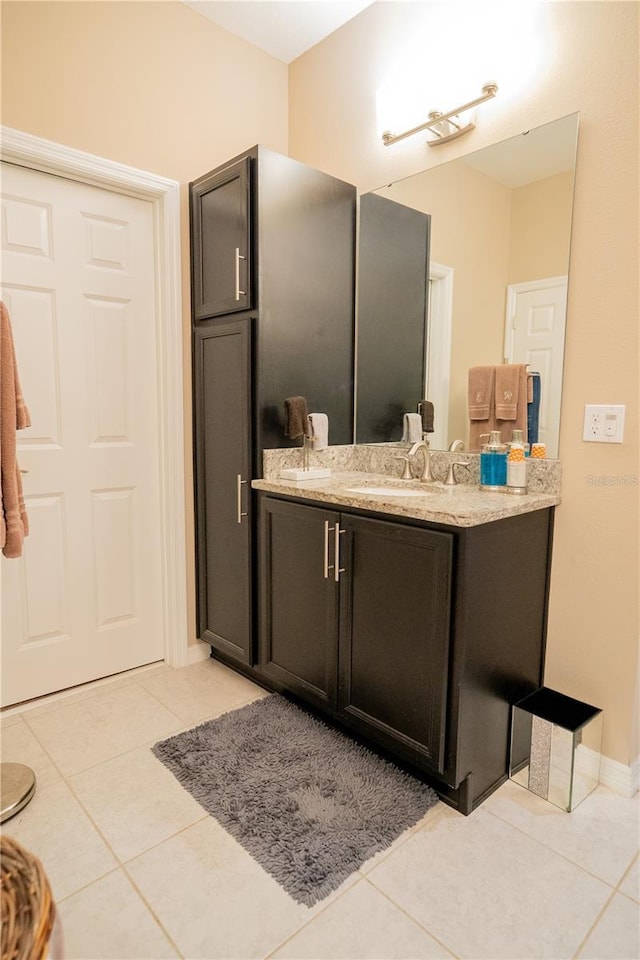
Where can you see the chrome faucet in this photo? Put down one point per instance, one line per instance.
(426, 475)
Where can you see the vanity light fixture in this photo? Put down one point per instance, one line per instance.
(445, 126)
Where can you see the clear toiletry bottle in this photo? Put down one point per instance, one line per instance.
(517, 465)
(493, 463)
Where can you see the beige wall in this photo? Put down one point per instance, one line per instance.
(158, 87)
(541, 228)
(590, 65)
(152, 85)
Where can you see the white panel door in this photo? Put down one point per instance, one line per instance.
(535, 331)
(78, 279)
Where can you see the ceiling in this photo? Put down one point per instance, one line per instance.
(283, 28)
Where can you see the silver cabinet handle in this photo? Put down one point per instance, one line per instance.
(325, 558)
(239, 257)
(337, 569)
(239, 488)
(326, 566)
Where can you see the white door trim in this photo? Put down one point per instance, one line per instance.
(438, 359)
(164, 195)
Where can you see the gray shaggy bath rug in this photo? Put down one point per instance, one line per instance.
(306, 801)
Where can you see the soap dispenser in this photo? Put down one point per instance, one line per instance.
(493, 463)
(516, 465)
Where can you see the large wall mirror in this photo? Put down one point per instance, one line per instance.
(465, 265)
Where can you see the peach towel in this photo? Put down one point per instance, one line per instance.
(506, 395)
(14, 525)
(481, 389)
(518, 418)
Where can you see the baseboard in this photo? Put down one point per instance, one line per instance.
(619, 777)
(198, 651)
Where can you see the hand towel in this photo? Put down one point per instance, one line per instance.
(14, 524)
(481, 390)
(296, 418)
(506, 390)
(319, 430)
(412, 427)
(425, 409)
(518, 422)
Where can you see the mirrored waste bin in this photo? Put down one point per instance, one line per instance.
(555, 747)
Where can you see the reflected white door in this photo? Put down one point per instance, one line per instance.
(535, 329)
(78, 279)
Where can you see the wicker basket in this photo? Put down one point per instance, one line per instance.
(27, 913)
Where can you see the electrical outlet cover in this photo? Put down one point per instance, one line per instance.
(603, 423)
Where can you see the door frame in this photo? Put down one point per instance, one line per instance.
(26, 150)
(438, 349)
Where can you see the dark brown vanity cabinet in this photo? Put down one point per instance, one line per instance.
(420, 642)
(273, 266)
(378, 593)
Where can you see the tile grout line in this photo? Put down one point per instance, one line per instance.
(152, 912)
(564, 856)
(421, 926)
(310, 920)
(624, 877)
(595, 923)
(363, 877)
(122, 864)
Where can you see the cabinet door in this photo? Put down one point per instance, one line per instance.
(221, 241)
(299, 612)
(394, 636)
(222, 354)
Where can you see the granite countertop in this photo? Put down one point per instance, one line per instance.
(463, 505)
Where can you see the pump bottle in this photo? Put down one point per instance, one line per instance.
(493, 463)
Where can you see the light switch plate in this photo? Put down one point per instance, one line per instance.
(603, 423)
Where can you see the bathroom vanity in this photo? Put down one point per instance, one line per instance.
(416, 634)
(414, 616)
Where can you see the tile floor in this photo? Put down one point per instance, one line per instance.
(139, 871)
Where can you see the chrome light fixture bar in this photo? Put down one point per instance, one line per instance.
(445, 126)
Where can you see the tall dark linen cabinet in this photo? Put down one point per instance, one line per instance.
(272, 263)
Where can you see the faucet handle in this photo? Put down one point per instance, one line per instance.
(406, 472)
(452, 480)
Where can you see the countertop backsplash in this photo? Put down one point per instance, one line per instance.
(544, 476)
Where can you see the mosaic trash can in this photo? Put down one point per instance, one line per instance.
(555, 747)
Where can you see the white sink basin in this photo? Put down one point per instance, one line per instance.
(387, 491)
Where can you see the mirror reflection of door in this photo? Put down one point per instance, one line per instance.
(534, 334)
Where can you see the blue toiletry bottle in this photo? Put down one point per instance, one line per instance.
(493, 463)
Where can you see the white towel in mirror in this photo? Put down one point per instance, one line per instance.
(319, 430)
(411, 427)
